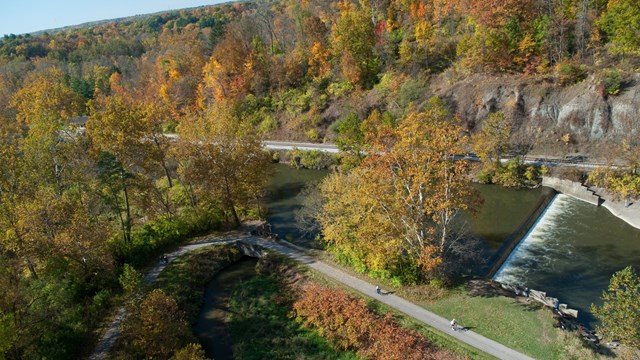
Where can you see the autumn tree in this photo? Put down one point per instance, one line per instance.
(178, 68)
(428, 187)
(353, 39)
(399, 208)
(46, 97)
(620, 312)
(356, 228)
(53, 234)
(492, 140)
(157, 327)
(222, 156)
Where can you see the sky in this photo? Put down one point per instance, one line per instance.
(24, 16)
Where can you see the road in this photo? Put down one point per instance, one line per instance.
(551, 161)
(469, 337)
(569, 161)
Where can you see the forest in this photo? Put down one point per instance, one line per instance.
(92, 190)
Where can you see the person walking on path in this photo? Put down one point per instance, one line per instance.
(454, 325)
(378, 290)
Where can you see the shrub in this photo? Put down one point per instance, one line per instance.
(338, 89)
(267, 125)
(311, 159)
(192, 351)
(129, 279)
(570, 73)
(348, 322)
(410, 91)
(611, 82)
(312, 135)
(149, 240)
(275, 157)
(510, 175)
(485, 177)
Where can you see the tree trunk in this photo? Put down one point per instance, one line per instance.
(230, 204)
(167, 174)
(127, 222)
(32, 268)
(163, 164)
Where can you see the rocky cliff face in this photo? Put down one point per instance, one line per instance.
(539, 106)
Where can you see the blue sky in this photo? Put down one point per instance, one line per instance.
(23, 16)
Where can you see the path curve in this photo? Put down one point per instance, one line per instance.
(112, 333)
(469, 337)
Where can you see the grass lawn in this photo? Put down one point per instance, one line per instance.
(261, 328)
(526, 327)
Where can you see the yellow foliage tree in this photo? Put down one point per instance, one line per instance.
(492, 140)
(222, 155)
(400, 206)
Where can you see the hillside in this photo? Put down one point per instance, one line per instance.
(82, 213)
(295, 69)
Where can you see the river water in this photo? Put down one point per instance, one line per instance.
(501, 213)
(571, 253)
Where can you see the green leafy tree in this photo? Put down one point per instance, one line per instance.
(620, 312)
(621, 23)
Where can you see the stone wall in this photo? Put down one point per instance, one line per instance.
(572, 188)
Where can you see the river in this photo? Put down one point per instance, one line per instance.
(501, 213)
(571, 254)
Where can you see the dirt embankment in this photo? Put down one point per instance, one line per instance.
(543, 111)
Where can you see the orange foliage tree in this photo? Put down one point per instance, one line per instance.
(348, 322)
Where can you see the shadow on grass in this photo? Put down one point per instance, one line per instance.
(487, 288)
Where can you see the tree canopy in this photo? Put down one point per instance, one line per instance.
(620, 312)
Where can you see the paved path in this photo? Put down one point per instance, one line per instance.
(478, 341)
(110, 336)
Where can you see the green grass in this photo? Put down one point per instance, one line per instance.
(261, 328)
(527, 328)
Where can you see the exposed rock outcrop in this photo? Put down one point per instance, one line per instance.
(539, 105)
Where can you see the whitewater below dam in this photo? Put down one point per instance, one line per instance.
(571, 252)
